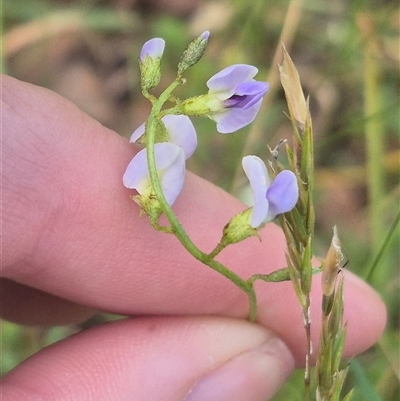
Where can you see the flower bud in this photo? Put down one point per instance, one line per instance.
(193, 52)
(150, 63)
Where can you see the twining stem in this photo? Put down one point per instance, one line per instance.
(176, 227)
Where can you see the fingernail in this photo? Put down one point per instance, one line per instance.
(253, 375)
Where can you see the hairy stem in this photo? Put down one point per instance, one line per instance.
(176, 227)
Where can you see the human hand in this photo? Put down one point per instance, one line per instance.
(74, 243)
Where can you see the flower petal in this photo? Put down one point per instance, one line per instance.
(170, 164)
(139, 131)
(181, 132)
(252, 91)
(172, 177)
(136, 175)
(282, 194)
(227, 79)
(230, 120)
(153, 48)
(257, 174)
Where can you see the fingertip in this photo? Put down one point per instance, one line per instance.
(255, 374)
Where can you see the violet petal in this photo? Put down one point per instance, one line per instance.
(282, 194)
(153, 48)
(252, 92)
(227, 79)
(230, 120)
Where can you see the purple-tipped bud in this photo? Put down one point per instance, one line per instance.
(193, 52)
(149, 63)
(205, 35)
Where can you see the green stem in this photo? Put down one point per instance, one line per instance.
(219, 248)
(176, 227)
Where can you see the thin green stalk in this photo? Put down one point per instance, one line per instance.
(177, 228)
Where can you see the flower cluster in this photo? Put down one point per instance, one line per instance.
(233, 101)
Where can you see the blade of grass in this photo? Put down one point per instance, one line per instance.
(363, 385)
(374, 134)
(386, 241)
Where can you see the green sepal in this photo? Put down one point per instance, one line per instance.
(150, 73)
(150, 206)
(196, 105)
(239, 228)
(161, 134)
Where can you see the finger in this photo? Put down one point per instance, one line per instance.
(159, 358)
(35, 307)
(72, 231)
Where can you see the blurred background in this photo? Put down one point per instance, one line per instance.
(347, 55)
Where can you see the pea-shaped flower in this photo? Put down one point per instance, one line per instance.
(235, 97)
(170, 165)
(180, 131)
(270, 198)
(233, 100)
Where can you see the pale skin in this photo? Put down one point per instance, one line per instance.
(73, 243)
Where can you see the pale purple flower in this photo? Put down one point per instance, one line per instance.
(270, 198)
(180, 131)
(235, 97)
(153, 48)
(170, 164)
